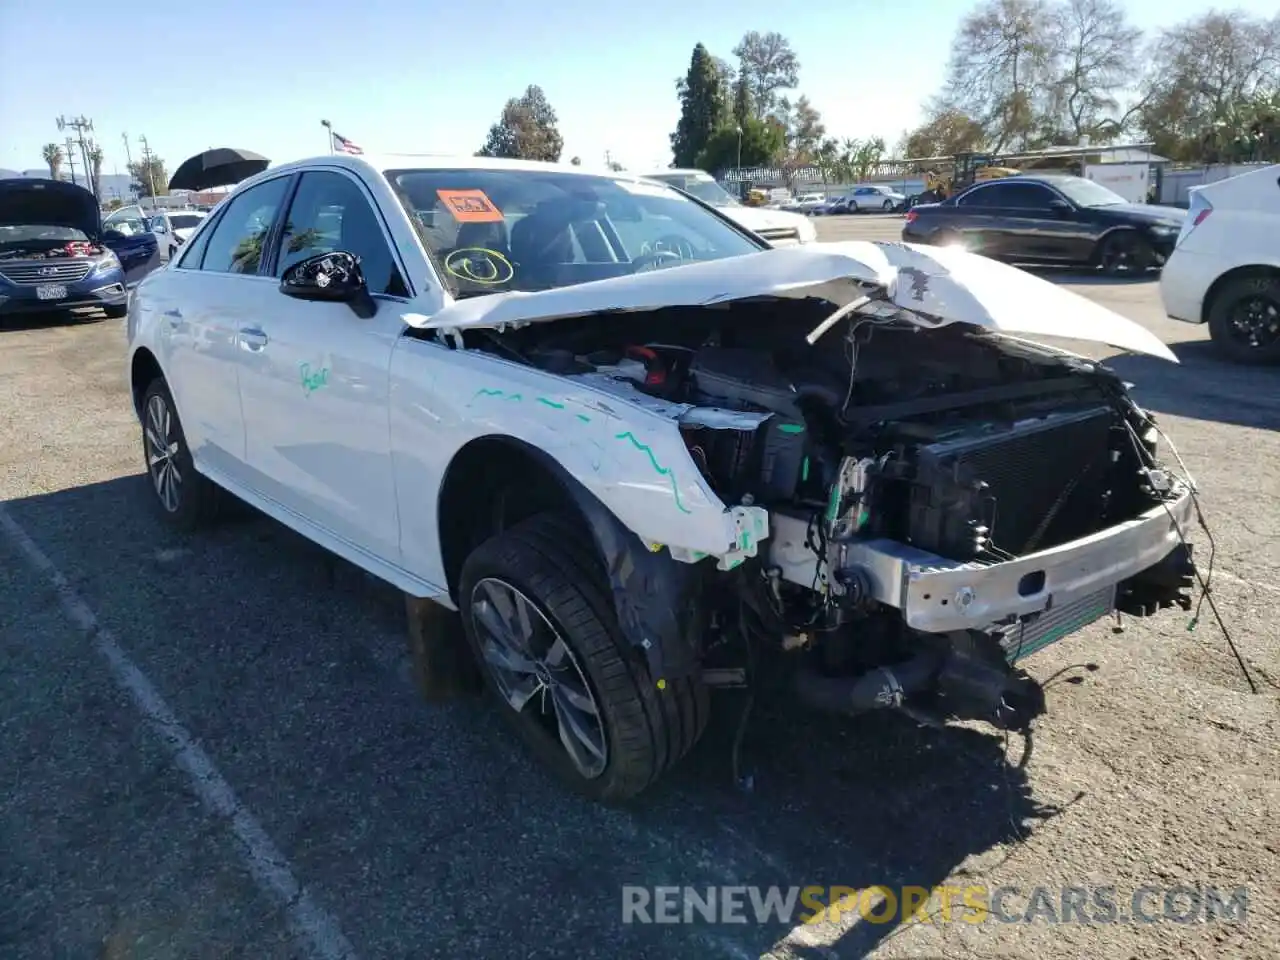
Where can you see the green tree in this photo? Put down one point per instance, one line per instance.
(945, 132)
(526, 130)
(95, 167)
(150, 179)
(703, 108)
(761, 142)
(52, 154)
(766, 65)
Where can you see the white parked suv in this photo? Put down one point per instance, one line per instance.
(780, 227)
(641, 453)
(1225, 267)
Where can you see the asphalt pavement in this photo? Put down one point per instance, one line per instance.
(211, 746)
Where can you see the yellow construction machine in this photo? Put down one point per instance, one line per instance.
(968, 169)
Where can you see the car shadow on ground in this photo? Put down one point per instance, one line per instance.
(266, 617)
(46, 320)
(1080, 276)
(1202, 386)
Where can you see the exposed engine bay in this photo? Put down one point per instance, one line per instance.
(891, 457)
(61, 250)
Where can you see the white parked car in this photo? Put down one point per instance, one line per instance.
(779, 227)
(1225, 266)
(624, 439)
(806, 202)
(174, 227)
(870, 198)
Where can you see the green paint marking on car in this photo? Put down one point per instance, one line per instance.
(583, 417)
(313, 380)
(791, 428)
(485, 392)
(550, 403)
(658, 468)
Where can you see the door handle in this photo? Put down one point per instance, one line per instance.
(252, 339)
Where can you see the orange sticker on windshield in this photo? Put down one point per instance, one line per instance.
(470, 206)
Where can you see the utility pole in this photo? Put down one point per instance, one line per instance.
(71, 158)
(146, 162)
(80, 124)
(329, 130)
(128, 164)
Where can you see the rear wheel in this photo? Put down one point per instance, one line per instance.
(1244, 319)
(183, 499)
(887, 206)
(540, 619)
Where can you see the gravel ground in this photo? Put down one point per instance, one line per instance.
(420, 830)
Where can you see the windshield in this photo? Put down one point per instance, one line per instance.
(1086, 193)
(702, 187)
(496, 230)
(184, 221)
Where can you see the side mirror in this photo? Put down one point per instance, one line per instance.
(1060, 208)
(330, 277)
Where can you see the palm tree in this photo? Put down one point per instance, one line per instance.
(52, 154)
(95, 168)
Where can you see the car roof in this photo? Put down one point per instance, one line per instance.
(679, 172)
(376, 163)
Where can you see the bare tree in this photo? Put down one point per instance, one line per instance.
(1200, 72)
(1097, 57)
(945, 132)
(766, 65)
(1002, 62)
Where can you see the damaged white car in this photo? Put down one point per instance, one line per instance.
(644, 454)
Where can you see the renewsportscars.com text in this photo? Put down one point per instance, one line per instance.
(944, 904)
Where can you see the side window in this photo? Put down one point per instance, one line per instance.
(235, 243)
(193, 252)
(984, 196)
(1026, 196)
(330, 212)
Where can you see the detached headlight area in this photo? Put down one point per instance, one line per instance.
(108, 263)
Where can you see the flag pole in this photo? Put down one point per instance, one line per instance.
(329, 131)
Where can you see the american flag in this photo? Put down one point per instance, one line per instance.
(343, 145)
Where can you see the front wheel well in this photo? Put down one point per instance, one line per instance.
(144, 369)
(491, 484)
(1237, 273)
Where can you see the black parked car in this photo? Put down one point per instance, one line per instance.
(1050, 219)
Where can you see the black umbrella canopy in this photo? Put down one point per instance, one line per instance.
(220, 167)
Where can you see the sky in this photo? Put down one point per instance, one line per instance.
(421, 76)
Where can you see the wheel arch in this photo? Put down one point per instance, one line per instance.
(1235, 273)
(143, 369)
(655, 596)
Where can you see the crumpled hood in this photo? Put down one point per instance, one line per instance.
(932, 286)
(53, 203)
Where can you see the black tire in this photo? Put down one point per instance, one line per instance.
(192, 501)
(1244, 319)
(551, 560)
(116, 313)
(1124, 253)
(888, 206)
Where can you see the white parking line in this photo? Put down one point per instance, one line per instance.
(268, 866)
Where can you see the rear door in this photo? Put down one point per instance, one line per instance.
(314, 376)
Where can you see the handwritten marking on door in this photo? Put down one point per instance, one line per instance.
(313, 380)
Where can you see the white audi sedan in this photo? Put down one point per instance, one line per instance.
(622, 436)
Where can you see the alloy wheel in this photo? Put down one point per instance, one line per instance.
(1255, 321)
(536, 673)
(162, 453)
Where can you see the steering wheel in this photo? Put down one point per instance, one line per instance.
(674, 243)
(656, 260)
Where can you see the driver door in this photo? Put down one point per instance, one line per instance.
(314, 375)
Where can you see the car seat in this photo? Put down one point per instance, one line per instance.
(540, 242)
